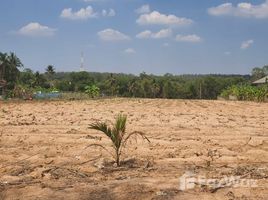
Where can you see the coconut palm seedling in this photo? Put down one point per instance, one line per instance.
(118, 135)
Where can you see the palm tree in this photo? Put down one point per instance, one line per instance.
(3, 59)
(2, 81)
(39, 79)
(117, 134)
(134, 88)
(9, 72)
(155, 89)
(14, 61)
(3, 63)
(112, 85)
(50, 70)
(10, 64)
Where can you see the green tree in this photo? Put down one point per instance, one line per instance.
(64, 85)
(169, 90)
(134, 88)
(112, 86)
(41, 81)
(3, 62)
(265, 69)
(9, 71)
(79, 80)
(155, 89)
(50, 70)
(27, 77)
(258, 73)
(210, 87)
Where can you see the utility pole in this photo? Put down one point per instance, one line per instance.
(82, 62)
(200, 90)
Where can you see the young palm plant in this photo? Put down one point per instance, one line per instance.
(117, 134)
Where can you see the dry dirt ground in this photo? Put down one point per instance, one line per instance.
(44, 155)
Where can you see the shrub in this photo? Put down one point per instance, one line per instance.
(93, 91)
(246, 92)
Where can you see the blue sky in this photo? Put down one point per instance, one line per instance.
(132, 36)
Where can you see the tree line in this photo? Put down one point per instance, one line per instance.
(117, 84)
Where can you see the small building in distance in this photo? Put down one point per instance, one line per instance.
(261, 81)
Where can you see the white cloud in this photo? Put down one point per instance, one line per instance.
(188, 38)
(241, 10)
(227, 53)
(112, 35)
(129, 51)
(222, 9)
(246, 44)
(162, 19)
(82, 14)
(36, 29)
(143, 9)
(166, 44)
(144, 34)
(104, 13)
(164, 33)
(111, 13)
(92, 1)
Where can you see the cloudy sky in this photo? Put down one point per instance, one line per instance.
(132, 36)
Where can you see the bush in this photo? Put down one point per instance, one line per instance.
(92, 90)
(21, 91)
(246, 92)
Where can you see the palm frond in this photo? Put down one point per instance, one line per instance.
(134, 133)
(120, 125)
(119, 129)
(99, 145)
(103, 127)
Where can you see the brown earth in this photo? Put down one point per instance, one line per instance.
(44, 155)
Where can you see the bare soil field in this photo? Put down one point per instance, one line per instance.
(44, 155)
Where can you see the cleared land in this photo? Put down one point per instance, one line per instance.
(43, 153)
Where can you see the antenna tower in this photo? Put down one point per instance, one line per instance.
(82, 62)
